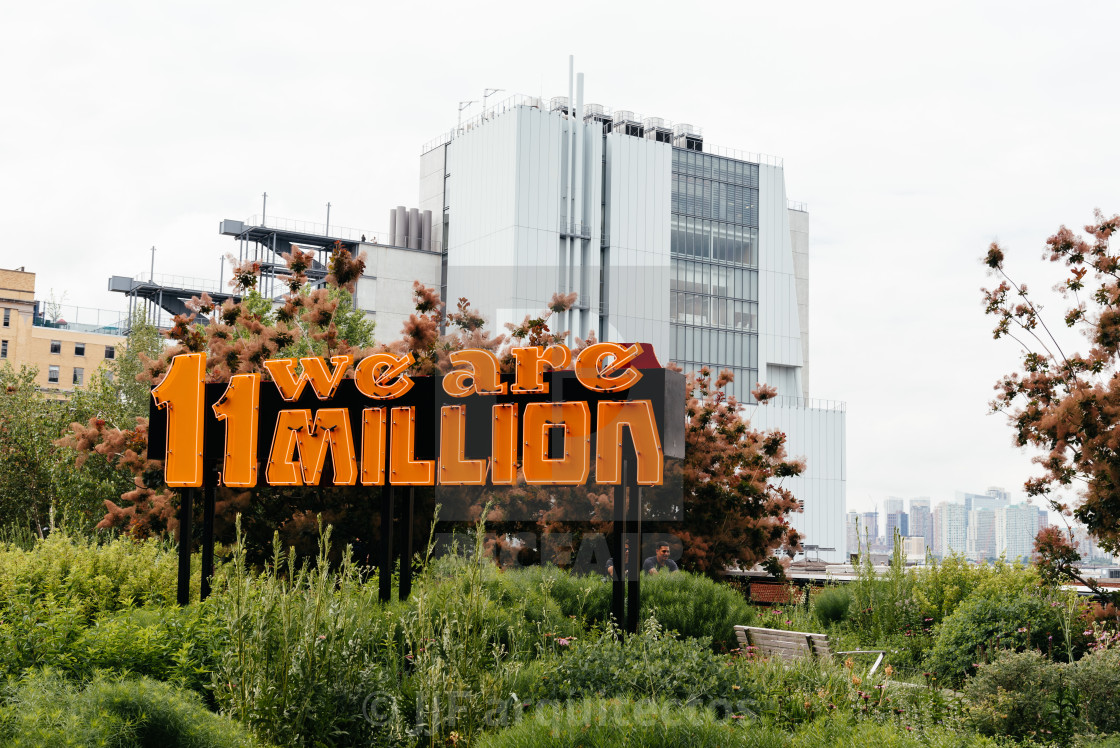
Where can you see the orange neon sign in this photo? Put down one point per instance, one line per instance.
(557, 419)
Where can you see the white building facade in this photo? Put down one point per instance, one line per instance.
(696, 253)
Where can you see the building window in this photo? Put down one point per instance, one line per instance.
(56, 346)
(109, 376)
(110, 352)
(79, 349)
(7, 317)
(52, 374)
(3, 349)
(79, 374)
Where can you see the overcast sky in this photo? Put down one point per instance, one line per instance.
(916, 134)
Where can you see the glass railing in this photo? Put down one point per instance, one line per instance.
(80, 319)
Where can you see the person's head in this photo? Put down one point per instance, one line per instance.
(662, 552)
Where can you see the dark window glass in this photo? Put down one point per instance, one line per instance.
(3, 349)
(110, 352)
(56, 346)
(7, 317)
(52, 374)
(79, 349)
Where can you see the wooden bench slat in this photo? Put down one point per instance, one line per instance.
(782, 643)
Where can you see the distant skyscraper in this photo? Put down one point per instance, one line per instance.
(921, 520)
(950, 529)
(998, 493)
(982, 500)
(981, 534)
(852, 532)
(1015, 529)
(869, 531)
(897, 520)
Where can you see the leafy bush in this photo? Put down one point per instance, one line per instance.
(1096, 678)
(1023, 695)
(943, 585)
(697, 607)
(46, 710)
(1006, 611)
(584, 596)
(620, 723)
(177, 645)
(93, 578)
(883, 607)
(306, 647)
(690, 605)
(658, 724)
(651, 664)
(831, 605)
(791, 693)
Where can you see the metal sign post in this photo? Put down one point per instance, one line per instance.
(186, 514)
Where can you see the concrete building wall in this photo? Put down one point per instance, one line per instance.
(779, 339)
(639, 217)
(799, 244)
(818, 435)
(508, 247)
(433, 167)
(386, 287)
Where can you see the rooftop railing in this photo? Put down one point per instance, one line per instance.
(797, 205)
(80, 319)
(602, 112)
(755, 158)
(187, 282)
(331, 231)
(808, 403)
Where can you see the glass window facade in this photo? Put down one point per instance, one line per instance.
(713, 305)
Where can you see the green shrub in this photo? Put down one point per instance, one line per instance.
(1023, 695)
(649, 664)
(307, 646)
(46, 710)
(585, 596)
(883, 607)
(695, 606)
(620, 723)
(831, 605)
(92, 578)
(658, 724)
(179, 645)
(1007, 611)
(1096, 678)
(943, 585)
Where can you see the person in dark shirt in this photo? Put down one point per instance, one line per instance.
(660, 561)
(610, 562)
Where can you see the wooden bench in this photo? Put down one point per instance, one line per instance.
(795, 645)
